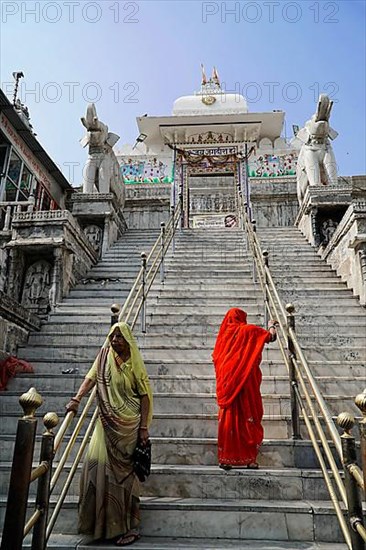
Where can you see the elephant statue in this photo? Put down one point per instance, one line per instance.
(101, 171)
(316, 164)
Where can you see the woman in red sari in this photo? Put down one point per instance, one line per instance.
(237, 356)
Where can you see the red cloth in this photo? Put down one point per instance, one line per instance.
(9, 367)
(237, 356)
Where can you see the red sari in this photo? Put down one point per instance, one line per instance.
(237, 356)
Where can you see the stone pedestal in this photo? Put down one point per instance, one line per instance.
(321, 211)
(101, 218)
(333, 219)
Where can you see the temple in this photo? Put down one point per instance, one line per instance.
(211, 208)
(212, 145)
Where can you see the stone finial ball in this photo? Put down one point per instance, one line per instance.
(360, 401)
(115, 308)
(290, 308)
(50, 420)
(345, 421)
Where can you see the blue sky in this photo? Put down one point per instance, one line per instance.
(136, 57)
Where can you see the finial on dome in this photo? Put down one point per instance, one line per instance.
(204, 78)
(215, 76)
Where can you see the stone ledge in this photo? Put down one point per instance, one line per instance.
(17, 314)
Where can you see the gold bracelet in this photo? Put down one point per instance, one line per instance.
(143, 428)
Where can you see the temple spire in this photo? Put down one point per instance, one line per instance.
(204, 78)
(215, 76)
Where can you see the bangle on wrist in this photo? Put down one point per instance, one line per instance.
(272, 326)
(75, 399)
(143, 428)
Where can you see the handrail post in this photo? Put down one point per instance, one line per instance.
(162, 245)
(143, 308)
(346, 422)
(16, 507)
(265, 255)
(361, 404)
(172, 210)
(39, 540)
(295, 417)
(240, 208)
(181, 224)
(254, 227)
(115, 309)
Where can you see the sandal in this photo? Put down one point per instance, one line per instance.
(225, 466)
(253, 466)
(127, 539)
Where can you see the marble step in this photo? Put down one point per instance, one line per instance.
(69, 542)
(187, 403)
(209, 482)
(232, 519)
(154, 351)
(182, 383)
(175, 367)
(286, 453)
(97, 309)
(179, 425)
(187, 264)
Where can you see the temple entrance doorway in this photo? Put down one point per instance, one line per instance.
(212, 200)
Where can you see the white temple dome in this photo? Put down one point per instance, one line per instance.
(210, 104)
(210, 100)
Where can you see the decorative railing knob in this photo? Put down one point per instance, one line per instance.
(30, 402)
(50, 421)
(360, 401)
(115, 309)
(346, 421)
(290, 308)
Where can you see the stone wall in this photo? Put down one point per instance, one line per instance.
(147, 205)
(15, 324)
(274, 201)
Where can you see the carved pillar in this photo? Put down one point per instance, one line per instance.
(15, 274)
(105, 243)
(56, 284)
(314, 227)
(363, 275)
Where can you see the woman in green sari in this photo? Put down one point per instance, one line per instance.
(109, 491)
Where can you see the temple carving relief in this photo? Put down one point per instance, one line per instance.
(37, 285)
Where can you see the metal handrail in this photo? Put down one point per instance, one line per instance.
(156, 256)
(274, 304)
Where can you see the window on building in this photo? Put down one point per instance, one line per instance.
(18, 182)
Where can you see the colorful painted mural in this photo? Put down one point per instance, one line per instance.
(145, 171)
(272, 166)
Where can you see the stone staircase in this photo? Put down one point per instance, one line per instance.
(188, 502)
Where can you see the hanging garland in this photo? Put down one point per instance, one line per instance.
(213, 160)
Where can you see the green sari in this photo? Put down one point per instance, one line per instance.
(109, 488)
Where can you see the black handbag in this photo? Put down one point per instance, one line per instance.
(142, 460)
